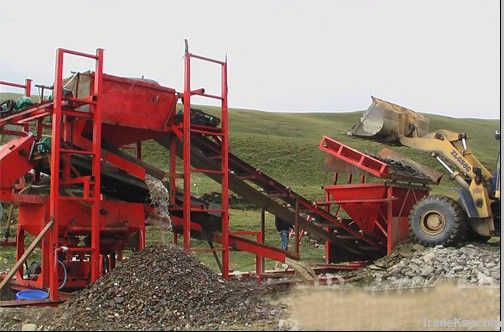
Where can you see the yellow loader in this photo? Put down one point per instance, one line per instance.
(439, 219)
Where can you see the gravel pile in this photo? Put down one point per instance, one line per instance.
(399, 168)
(417, 267)
(159, 199)
(163, 288)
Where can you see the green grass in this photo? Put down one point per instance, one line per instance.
(285, 146)
(242, 220)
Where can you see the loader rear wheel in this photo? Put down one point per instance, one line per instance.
(437, 220)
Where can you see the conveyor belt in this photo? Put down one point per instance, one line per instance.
(280, 200)
(252, 185)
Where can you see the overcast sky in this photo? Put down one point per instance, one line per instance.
(431, 56)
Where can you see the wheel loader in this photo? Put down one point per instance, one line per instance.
(439, 219)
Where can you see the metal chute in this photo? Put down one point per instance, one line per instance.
(388, 122)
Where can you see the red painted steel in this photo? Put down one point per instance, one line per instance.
(15, 152)
(242, 244)
(220, 134)
(7, 243)
(187, 150)
(9, 196)
(96, 166)
(136, 103)
(120, 221)
(354, 157)
(120, 111)
(61, 134)
(146, 109)
(379, 209)
(110, 157)
(55, 187)
(225, 172)
(27, 86)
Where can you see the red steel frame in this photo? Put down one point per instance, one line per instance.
(26, 86)
(354, 157)
(222, 137)
(57, 153)
(68, 127)
(67, 132)
(76, 215)
(380, 208)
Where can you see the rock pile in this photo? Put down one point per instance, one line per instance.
(159, 199)
(424, 267)
(163, 288)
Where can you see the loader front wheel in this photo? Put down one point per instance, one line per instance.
(437, 220)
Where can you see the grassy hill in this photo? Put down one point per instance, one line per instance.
(285, 146)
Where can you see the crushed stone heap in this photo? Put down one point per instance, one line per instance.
(417, 267)
(163, 288)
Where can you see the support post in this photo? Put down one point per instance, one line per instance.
(296, 227)
(259, 260)
(263, 236)
(216, 257)
(225, 173)
(390, 220)
(335, 178)
(54, 180)
(187, 152)
(96, 166)
(138, 150)
(328, 249)
(327, 197)
(28, 84)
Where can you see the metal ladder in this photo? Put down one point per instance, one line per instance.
(218, 134)
(61, 154)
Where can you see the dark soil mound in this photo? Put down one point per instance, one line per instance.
(163, 288)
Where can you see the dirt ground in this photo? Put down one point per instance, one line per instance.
(446, 307)
(359, 305)
(332, 308)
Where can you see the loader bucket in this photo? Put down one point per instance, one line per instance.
(384, 121)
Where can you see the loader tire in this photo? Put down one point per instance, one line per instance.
(437, 220)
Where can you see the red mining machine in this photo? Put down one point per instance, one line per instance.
(96, 201)
(381, 208)
(84, 200)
